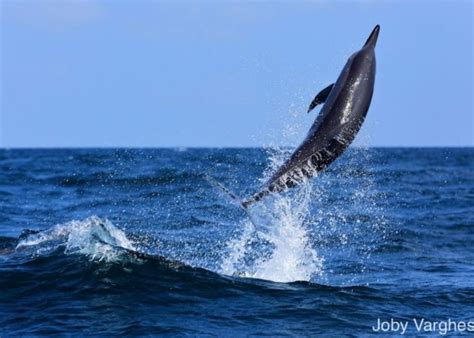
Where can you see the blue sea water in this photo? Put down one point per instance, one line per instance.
(138, 242)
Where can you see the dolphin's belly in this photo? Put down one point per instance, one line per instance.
(311, 162)
(328, 140)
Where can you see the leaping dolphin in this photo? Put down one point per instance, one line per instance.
(346, 103)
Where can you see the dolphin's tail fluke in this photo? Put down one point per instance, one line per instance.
(244, 204)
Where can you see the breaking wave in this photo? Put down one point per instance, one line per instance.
(93, 237)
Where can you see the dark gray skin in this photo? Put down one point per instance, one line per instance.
(346, 103)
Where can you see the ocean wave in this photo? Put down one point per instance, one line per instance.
(94, 237)
(78, 252)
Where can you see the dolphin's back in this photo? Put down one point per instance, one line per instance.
(335, 127)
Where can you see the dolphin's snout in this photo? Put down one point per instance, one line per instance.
(372, 40)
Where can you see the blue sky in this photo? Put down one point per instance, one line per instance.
(150, 73)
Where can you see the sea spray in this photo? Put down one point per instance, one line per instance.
(293, 258)
(94, 237)
(315, 231)
(280, 251)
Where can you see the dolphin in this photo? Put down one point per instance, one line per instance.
(346, 103)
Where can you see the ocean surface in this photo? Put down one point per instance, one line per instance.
(138, 242)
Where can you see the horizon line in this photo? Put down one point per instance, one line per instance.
(224, 147)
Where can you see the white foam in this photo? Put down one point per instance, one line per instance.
(293, 258)
(284, 252)
(94, 237)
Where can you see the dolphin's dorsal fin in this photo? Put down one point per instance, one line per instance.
(321, 97)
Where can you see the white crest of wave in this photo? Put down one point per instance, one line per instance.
(94, 237)
(281, 251)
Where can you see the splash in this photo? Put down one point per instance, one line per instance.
(293, 258)
(93, 237)
(316, 231)
(281, 250)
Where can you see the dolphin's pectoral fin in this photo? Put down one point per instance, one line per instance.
(321, 97)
